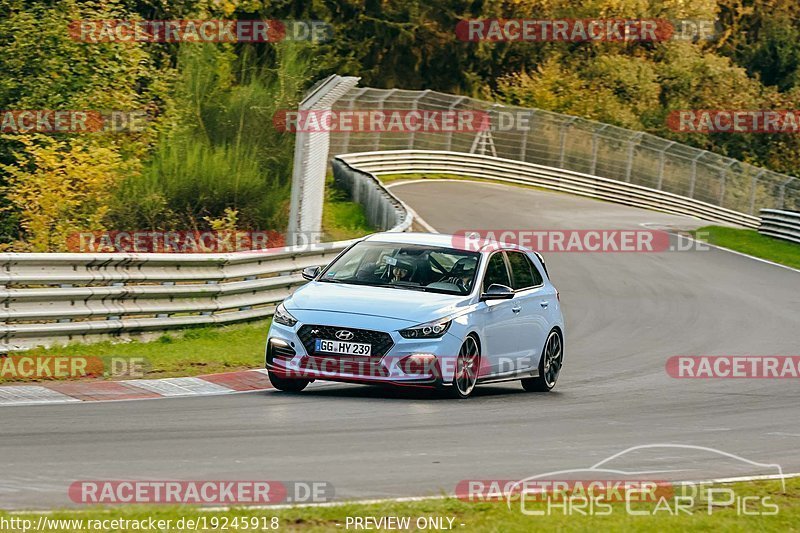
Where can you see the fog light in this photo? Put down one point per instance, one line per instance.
(418, 364)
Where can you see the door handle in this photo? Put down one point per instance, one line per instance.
(544, 304)
(516, 309)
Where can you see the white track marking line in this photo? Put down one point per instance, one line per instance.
(767, 261)
(705, 243)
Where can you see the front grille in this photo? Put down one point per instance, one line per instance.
(381, 341)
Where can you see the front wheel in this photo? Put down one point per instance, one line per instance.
(467, 365)
(287, 384)
(549, 365)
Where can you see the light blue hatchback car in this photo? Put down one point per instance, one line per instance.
(423, 310)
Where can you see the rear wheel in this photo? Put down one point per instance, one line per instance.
(466, 372)
(287, 384)
(549, 365)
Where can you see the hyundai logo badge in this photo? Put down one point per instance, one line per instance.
(344, 335)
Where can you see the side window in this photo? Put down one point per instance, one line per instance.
(496, 272)
(522, 270)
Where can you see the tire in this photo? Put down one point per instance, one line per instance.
(466, 372)
(287, 384)
(549, 365)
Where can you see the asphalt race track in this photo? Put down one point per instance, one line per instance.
(626, 314)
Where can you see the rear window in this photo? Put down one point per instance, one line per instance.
(523, 271)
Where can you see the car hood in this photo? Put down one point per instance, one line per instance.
(416, 307)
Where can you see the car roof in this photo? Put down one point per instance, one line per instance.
(444, 240)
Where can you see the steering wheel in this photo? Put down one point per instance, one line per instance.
(457, 281)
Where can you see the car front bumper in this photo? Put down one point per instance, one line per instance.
(408, 362)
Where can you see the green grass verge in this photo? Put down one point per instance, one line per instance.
(342, 219)
(751, 242)
(479, 516)
(189, 352)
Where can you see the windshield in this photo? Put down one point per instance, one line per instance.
(405, 266)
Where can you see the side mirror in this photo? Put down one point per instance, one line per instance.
(497, 292)
(310, 273)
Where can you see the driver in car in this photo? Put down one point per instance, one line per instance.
(400, 272)
(462, 274)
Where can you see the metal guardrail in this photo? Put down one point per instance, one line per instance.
(58, 298)
(513, 171)
(574, 144)
(780, 224)
(381, 208)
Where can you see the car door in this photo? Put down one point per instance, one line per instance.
(533, 304)
(499, 320)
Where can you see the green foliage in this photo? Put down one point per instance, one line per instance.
(44, 68)
(210, 148)
(59, 188)
(221, 151)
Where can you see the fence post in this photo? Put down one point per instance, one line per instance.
(523, 148)
(753, 191)
(693, 180)
(563, 141)
(661, 163)
(311, 161)
(414, 107)
(783, 192)
(377, 135)
(350, 104)
(452, 107)
(631, 147)
(595, 147)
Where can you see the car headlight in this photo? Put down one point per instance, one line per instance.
(431, 330)
(282, 316)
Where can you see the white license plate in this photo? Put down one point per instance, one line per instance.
(342, 347)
